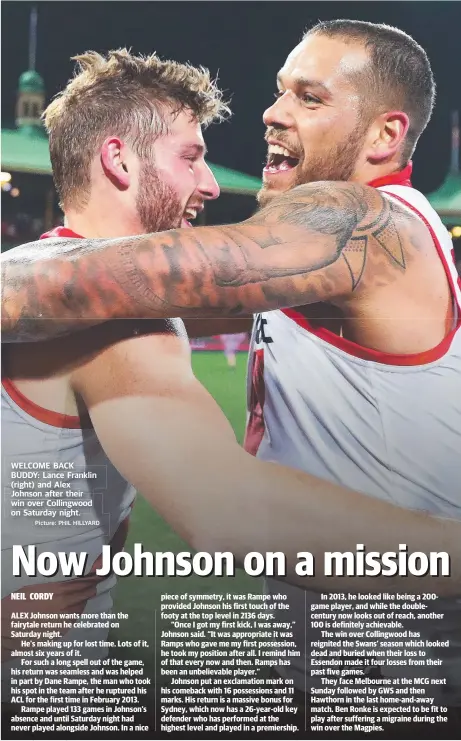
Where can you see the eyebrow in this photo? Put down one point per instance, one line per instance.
(306, 82)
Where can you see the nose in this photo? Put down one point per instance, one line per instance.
(280, 114)
(207, 184)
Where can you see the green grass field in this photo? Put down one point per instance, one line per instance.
(140, 596)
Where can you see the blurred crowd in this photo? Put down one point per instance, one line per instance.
(22, 228)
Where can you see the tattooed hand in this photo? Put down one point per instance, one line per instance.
(318, 242)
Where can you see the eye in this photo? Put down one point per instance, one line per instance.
(308, 98)
(191, 161)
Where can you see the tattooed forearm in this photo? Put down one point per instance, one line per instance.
(314, 243)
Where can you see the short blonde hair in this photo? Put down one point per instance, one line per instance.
(127, 96)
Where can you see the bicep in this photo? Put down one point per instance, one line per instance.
(160, 428)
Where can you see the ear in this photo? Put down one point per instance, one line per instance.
(114, 162)
(387, 135)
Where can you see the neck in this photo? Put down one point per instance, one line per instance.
(98, 220)
(368, 172)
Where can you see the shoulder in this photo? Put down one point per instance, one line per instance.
(112, 354)
(126, 352)
(346, 221)
(64, 354)
(332, 207)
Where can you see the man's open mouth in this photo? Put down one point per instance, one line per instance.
(189, 215)
(279, 159)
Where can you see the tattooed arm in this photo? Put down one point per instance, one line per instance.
(312, 244)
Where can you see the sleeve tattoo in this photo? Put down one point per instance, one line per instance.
(313, 243)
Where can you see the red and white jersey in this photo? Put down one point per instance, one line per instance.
(388, 426)
(81, 504)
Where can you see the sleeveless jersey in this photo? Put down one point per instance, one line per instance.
(60, 494)
(388, 426)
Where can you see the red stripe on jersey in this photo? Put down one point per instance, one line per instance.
(395, 178)
(438, 247)
(61, 231)
(47, 416)
(256, 425)
(358, 351)
(366, 353)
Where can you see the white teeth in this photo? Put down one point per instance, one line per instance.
(190, 213)
(276, 149)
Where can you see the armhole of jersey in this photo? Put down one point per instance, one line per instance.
(454, 280)
(46, 416)
(423, 358)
